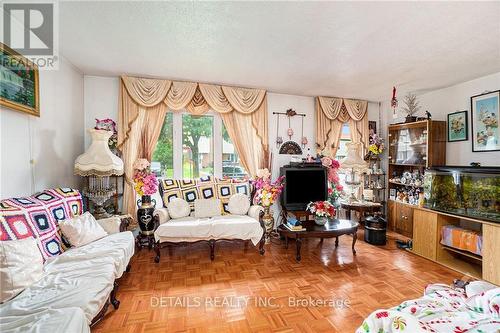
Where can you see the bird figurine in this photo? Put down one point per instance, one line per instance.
(428, 114)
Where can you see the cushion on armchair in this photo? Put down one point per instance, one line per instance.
(207, 208)
(239, 204)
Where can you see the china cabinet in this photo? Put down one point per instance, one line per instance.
(413, 147)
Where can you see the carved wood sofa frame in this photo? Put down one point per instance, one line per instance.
(211, 242)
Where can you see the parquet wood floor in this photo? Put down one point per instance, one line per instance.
(377, 277)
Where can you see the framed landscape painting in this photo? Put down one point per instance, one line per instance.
(458, 126)
(485, 117)
(19, 88)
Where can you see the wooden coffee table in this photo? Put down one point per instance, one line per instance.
(334, 228)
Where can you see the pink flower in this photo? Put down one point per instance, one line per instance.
(335, 164)
(326, 161)
(339, 188)
(141, 164)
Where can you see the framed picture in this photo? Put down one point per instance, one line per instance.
(485, 117)
(19, 88)
(458, 126)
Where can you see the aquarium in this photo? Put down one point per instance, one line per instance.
(467, 191)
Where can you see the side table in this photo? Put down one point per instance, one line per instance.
(360, 207)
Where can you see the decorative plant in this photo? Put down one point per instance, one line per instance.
(376, 144)
(412, 106)
(321, 209)
(267, 192)
(335, 189)
(145, 182)
(108, 125)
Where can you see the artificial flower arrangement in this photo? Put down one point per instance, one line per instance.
(266, 191)
(145, 182)
(376, 145)
(321, 209)
(335, 189)
(108, 125)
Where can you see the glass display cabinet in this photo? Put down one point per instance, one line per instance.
(413, 147)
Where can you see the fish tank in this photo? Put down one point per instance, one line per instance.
(466, 191)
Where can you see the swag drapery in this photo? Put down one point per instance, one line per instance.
(331, 114)
(144, 103)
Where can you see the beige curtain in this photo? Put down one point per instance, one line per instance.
(144, 103)
(331, 114)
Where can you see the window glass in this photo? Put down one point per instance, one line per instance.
(342, 151)
(231, 167)
(162, 163)
(197, 146)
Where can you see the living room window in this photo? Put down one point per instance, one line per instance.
(197, 146)
(192, 146)
(163, 159)
(231, 167)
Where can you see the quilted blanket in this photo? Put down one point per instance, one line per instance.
(441, 309)
(38, 216)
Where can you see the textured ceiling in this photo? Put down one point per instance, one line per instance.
(351, 49)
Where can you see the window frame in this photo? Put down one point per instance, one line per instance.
(177, 132)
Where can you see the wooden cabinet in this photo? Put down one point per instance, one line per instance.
(491, 256)
(425, 233)
(404, 220)
(400, 218)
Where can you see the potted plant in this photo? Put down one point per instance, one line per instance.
(411, 108)
(322, 211)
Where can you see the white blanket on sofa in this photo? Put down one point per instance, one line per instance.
(79, 279)
(190, 229)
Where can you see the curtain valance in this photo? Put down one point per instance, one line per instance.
(144, 103)
(332, 113)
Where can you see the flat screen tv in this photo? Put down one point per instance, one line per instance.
(303, 185)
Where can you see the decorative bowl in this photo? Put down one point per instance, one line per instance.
(320, 220)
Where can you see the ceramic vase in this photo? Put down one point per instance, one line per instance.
(146, 207)
(268, 220)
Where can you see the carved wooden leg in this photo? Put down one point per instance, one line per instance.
(129, 267)
(286, 242)
(261, 246)
(157, 251)
(298, 243)
(354, 238)
(212, 249)
(246, 244)
(112, 296)
(337, 241)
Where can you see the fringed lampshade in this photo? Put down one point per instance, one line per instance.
(99, 163)
(353, 166)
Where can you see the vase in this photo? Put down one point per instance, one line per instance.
(146, 208)
(320, 220)
(268, 220)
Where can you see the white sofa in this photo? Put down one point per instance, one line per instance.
(218, 228)
(76, 288)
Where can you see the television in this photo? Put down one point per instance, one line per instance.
(303, 185)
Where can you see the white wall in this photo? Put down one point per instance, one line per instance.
(447, 100)
(38, 153)
(100, 100)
